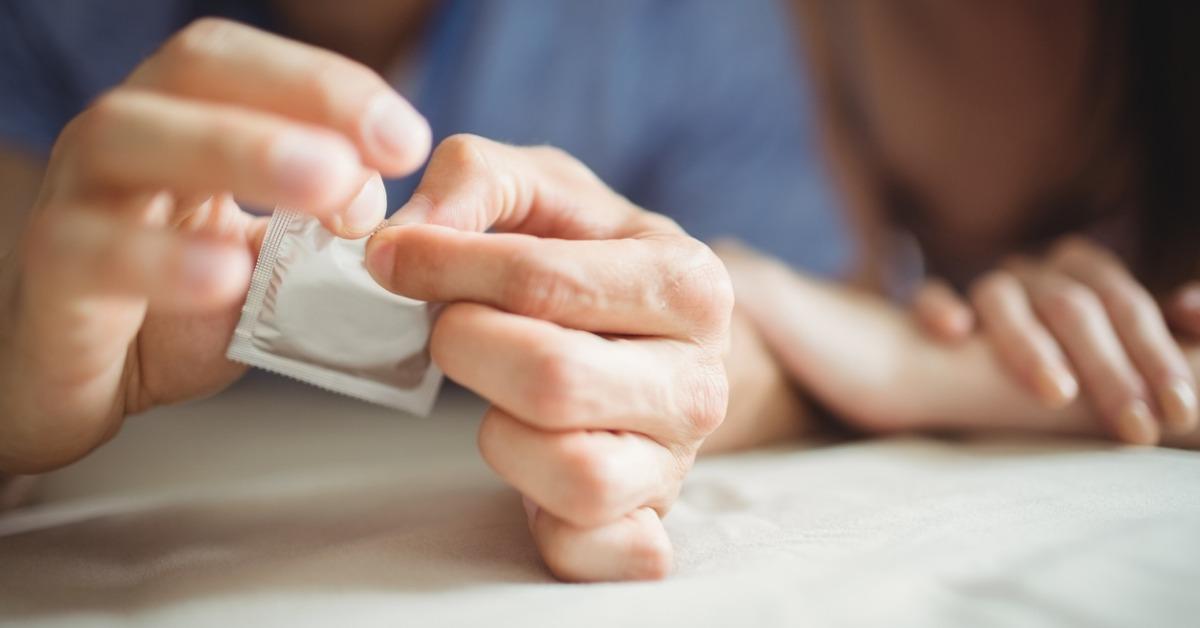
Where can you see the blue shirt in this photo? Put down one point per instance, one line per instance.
(692, 108)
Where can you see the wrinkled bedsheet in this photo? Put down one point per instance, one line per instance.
(275, 504)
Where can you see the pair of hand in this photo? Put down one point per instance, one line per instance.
(1078, 319)
(595, 328)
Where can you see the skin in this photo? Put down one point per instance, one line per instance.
(869, 361)
(125, 283)
(596, 329)
(982, 111)
(1080, 316)
(135, 245)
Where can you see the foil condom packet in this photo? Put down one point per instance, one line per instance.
(314, 313)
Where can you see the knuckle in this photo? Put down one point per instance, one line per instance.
(709, 401)
(486, 187)
(699, 286)
(593, 482)
(540, 287)
(88, 130)
(200, 39)
(556, 382)
(462, 153)
(649, 556)
(86, 143)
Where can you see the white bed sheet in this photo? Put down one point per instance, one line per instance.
(275, 504)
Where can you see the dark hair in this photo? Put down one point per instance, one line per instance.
(1162, 107)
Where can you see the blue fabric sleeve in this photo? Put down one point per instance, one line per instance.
(33, 97)
(738, 156)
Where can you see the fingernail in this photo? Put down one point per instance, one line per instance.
(1179, 404)
(366, 211)
(397, 133)
(1057, 387)
(1136, 425)
(381, 259)
(309, 168)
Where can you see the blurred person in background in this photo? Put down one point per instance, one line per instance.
(129, 128)
(1024, 174)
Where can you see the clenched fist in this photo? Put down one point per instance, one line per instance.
(596, 330)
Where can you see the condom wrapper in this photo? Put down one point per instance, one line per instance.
(314, 313)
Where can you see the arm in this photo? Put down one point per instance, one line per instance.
(870, 363)
(765, 406)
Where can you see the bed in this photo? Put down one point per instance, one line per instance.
(276, 504)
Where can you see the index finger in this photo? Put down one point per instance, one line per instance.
(220, 60)
(667, 285)
(598, 262)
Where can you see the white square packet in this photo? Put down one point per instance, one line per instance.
(314, 313)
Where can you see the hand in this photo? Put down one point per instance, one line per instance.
(871, 366)
(1079, 318)
(128, 280)
(595, 329)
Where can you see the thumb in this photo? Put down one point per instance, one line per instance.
(475, 184)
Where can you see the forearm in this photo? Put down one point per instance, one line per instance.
(868, 362)
(764, 404)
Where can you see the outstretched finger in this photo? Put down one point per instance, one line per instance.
(942, 313)
(1141, 327)
(1021, 341)
(136, 140)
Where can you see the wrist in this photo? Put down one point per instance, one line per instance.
(764, 406)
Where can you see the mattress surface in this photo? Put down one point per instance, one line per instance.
(275, 504)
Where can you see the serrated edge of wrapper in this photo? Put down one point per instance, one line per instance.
(419, 400)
